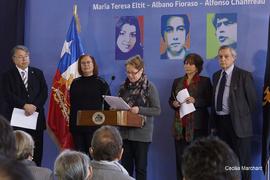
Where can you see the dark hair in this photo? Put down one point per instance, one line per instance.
(165, 18)
(207, 158)
(137, 49)
(19, 47)
(95, 70)
(230, 16)
(195, 59)
(11, 169)
(106, 143)
(7, 139)
(131, 20)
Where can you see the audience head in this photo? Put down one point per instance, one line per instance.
(7, 140)
(106, 144)
(24, 145)
(11, 169)
(70, 165)
(210, 158)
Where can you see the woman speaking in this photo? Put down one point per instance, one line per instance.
(142, 96)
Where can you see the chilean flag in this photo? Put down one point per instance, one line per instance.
(59, 108)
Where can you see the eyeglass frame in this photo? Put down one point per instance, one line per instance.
(22, 57)
(133, 73)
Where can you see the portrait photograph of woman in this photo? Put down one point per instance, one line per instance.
(128, 37)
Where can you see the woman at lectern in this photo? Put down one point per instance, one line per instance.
(143, 98)
(86, 94)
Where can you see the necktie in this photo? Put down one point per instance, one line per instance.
(221, 91)
(24, 78)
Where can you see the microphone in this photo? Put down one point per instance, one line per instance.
(108, 89)
(112, 78)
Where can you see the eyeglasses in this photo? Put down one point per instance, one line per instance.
(86, 63)
(133, 73)
(22, 57)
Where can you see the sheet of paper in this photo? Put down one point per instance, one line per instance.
(116, 102)
(19, 119)
(184, 108)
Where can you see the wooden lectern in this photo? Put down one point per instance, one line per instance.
(110, 117)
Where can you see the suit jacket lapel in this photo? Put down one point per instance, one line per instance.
(215, 80)
(18, 78)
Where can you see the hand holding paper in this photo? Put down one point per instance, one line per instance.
(185, 107)
(134, 109)
(19, 119)
(29, 109)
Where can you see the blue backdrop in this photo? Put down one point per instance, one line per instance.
(47, 23)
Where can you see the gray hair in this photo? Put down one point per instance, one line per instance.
(232, 50)
(19, 47)
(24, 145)
(70, 165)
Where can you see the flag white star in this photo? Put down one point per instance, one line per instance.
(65, 48)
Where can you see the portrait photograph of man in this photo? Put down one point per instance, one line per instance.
(221, 31)
(175, 40)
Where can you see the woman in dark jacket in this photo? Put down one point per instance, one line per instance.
(195, 124)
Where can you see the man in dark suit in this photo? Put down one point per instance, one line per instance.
(25, 88)
(234, 100)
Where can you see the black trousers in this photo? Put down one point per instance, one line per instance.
(135, 153)
(82, 140)
(241, 146)
(38, 140)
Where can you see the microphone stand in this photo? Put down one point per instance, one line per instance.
(103, 96)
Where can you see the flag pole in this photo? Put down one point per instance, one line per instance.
(75, 10)
(75, 13)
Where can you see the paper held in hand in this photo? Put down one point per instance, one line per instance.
(184, 108)
(116, 102)
(19, 119)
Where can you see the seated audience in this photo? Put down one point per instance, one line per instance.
(7, 140)
(106, 150)
(210, 158)
(72, 165)
(25, 153)
(11, 169)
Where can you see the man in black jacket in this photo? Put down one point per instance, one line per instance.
(25, 88)
(234, 99)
